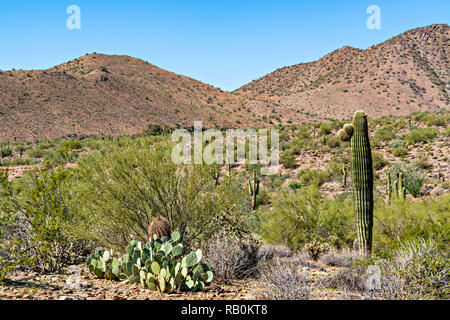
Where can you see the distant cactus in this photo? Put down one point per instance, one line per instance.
(316, 248)
(216, 175)
(395, 189)
(253, 188)
(159, 226)
(362, 177)
(344, 176)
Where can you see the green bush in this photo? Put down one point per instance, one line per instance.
(325, 129)
(40, 217)
(422, 135)
(385, 133)
(400, 152)
(313, 177)
(302, 217)
(438, 120)
(397, 144)
(287, 159)
(124, 188)
(447, 132)
(379, 162)
(408, 220)
(36, 153)
(5, 152)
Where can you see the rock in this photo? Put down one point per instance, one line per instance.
(70, 297)
(437, 191)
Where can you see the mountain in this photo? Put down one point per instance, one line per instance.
(109, 95)
(119, 95)
(407, 73)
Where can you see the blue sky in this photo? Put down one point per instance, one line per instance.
(223, 43)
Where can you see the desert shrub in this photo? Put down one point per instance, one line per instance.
(397, 144)
(422, 135)
(287, 159)
(438, 120)
(282, 282)
(447, 132)
(124, 188)
(400, 152)
(342, 258)
(399, 124)
(263, 198)
(385, 133)
(301, 217)
(423, 163)
(40, 217)
(21, 149)
(325, 129)
(231, 258)
(418, 269)
(378, 160)
(36, 153)
(351, 279)
(70, 145)
(332, 142)
(268, 253)
(313, 177)
(44, 145)
(414, 177)
(20, 162)
(335, 166)
(420, 116)
(5, 152)
(6, 259)
(405, 220)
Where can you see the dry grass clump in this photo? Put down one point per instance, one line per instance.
(231, 258)
(267, 252)
(282, 281)
(343, 258)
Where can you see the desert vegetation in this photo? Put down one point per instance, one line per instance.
(233, 232)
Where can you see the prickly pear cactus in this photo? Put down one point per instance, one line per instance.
(157, 265)
(362, 178)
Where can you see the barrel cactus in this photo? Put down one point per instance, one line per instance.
(362, 178)
(160, 227)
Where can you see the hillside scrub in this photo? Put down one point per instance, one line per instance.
(38, 215)
(124, 188)
(301, 217)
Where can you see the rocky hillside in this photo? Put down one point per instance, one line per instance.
(119, 95)
(407, 73)
(108, 95)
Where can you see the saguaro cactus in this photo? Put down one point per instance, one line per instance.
(253, 188)
(362, 177)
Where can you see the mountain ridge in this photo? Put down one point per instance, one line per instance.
(104, 95)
